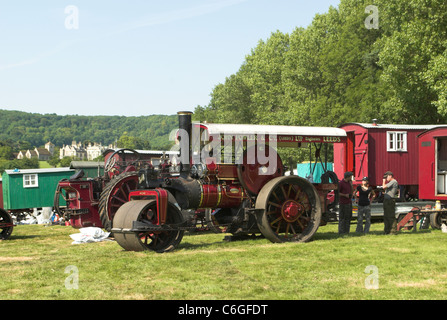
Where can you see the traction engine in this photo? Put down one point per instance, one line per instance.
(245, 196)
(94, 202)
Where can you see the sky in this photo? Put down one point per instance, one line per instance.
(132, 58)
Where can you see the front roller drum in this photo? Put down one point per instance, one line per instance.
(288, 210)
(145, 213)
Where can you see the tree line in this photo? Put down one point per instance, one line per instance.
(22, 130)
(339, 69)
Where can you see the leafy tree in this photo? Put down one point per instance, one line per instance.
(66, 161)
(54, 160)
(338, 70)
(411, 54)
(130, 142)
(6, 152)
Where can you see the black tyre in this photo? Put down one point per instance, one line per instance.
(435, 220)
(6, 225)
(146, 211)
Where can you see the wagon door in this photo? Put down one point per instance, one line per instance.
(350, 152)
(361, 155)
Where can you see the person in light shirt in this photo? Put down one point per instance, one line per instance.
(391, 187)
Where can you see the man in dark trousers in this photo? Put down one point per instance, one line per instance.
(345, 203)
(391, 188)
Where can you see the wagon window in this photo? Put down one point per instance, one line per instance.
(396, 141)
(30, 181)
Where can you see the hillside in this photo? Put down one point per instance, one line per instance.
(33, 129)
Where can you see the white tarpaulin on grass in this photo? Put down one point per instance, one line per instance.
(90, 234)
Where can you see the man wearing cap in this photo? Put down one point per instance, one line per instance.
(391, 188)
(345, 203)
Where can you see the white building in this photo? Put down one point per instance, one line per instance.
(77, 150)
(94, 151)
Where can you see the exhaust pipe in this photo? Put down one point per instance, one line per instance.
(184, 136)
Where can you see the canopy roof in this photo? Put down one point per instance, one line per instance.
(245, 129)
(37, 171)
(283, 133)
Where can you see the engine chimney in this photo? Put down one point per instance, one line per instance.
(184, 135)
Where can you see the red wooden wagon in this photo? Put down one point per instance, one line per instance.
(417, 156)
(373, 149)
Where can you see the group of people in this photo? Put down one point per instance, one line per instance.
(364, 195)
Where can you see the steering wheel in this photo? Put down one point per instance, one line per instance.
(111, 161)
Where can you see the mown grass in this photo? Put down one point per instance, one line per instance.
(410, 266)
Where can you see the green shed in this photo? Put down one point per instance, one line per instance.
(91, 169)
(31, 188)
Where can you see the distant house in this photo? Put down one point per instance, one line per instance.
(50, 147)
(94, 151)
(43, 154)
(31, 154)
(21, 155)
(76, 150)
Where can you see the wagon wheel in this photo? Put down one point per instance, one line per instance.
(114, 195)
(291, 210)
(435, 220)
(6, 225)
(146, 211)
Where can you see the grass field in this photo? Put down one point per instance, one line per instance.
(409, 266)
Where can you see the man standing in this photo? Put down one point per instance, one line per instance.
(345, 203)
(391, 188)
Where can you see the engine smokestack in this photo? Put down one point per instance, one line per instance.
(184, 135)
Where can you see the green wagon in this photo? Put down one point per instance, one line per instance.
(25, 189)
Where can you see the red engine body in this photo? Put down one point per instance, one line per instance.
(82, 198)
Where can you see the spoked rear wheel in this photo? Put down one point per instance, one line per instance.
(145, 211)
(292, 210)
(6, 225)
(115, 194)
